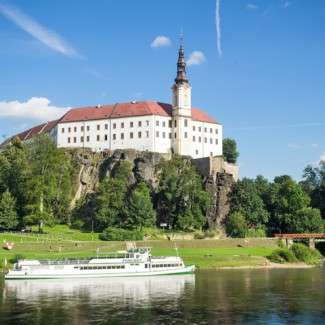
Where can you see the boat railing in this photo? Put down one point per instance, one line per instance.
(64, 262)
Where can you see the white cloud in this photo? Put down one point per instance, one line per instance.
(251, 6)
(161, 41)
(196, 58)
(36, 108)
(286, 4)
(47, 37)
(218, 27)
(317, 162)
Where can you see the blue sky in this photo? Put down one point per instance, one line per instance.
(263, 77)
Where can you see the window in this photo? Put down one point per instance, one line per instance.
(196, 152)
(114, 136)
(98, 137)
(175, 124)
(88, 138)
(69, 140)
(147, 123)
(170, 135)
(88, 127)
(75, 129)
(122, 125)
(185, 135)
(131, 135)
(164, 124)
(211, 154)
(157, 123)
(139, 124)
(193, 127)
(164, 135)
(62, 130)
(216, 141)
(216, 131)
(199, 139)
(200, 129)
(193, 138)
(105, 137)
(69, 130)
(131, 124)
(139, 134)
(98, 127)
(122, 136)
(81, 139)
(74, 140)
(185, 123)
(147, 134)
(175, 135)
(157, 134)
(205, 140)
(170, 123)
(82, 128)
(210, 130)
(114, 125)
(106, 126)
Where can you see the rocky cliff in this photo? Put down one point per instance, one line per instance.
(91, 167)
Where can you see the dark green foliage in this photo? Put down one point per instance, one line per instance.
(181, 201)
(305, 254)
(119, 234)
(282, 255)
(236, 225)
(230, 152)
(8, 214)
(139, 211)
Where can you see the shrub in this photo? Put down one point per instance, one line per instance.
(16, 258)
(199, 235)
(119, 234)
(282, 255)
(78, 224)
(236, 225)
(209, 234)
(255, 233)
(305, 254)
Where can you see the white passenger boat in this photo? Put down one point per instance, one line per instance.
(133, 262)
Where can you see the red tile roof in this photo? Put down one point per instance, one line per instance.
(128, 110)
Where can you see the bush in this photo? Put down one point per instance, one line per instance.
(16, 258)
(236, 225)
(199, 235)
(305, 254)
(282, 255)
(119, 234)
(256, 233)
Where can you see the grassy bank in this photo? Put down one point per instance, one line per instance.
(203, 253)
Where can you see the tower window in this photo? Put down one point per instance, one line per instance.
(216, 131)
(114, 125)
(122, 125)
(170, 123)
(106, 126)
(163, 123)
(175, 135)
(157, 123)
(147, 123)
(185, 122)
(193, 127)
(98, 127)
(210, 130)
(175, 124)
(69, 130)
(62, 130)
(205, 129)
(200, 129)
(131, 124)
(139, 124)
(88, 127)
(82, 128)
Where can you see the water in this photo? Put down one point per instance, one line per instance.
(208, 297)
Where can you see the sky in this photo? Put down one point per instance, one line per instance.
(257, 66)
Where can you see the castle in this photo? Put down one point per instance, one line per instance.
(144, 126)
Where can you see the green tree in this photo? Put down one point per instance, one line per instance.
(230, 152)
(8, 213)
(246, 200)
(236, 225)
(181, 200)
(111, 197)
(139, 211)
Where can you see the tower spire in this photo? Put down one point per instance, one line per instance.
(181, 64)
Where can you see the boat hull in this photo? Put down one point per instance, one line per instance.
(17, 275)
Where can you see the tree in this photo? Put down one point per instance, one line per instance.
(139, 211)
(245, 199)
(236, 225)
(230, 152)
(111, 197)
(8, 213)
(181, 201)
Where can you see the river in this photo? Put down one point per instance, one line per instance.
(273, 296)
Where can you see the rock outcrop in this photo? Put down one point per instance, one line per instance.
(91, 167)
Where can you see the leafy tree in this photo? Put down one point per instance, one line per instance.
(8, 214)
(230, 152)
(236, 225)
(287, 198)
(112, 197)
(246, 200)
(181, 201)
(139, 212)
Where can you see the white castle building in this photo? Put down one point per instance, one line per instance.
(145, 126)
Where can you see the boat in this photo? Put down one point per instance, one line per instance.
(132, 262)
